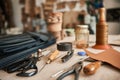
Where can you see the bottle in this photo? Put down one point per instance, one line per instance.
(81, 36)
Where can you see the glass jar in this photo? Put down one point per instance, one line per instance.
(82, 36)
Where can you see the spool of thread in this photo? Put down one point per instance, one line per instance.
(102, 32)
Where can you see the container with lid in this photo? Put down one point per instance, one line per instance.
(81, 36)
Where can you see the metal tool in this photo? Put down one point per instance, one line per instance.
(50, 58)
(68, 56)
(59, 72)
(76, 68)
(41, 53)
(23, 67)
(89, 59)
(92, 67)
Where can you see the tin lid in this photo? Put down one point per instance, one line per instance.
(82, 26)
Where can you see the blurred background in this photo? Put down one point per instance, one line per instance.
(18, 16)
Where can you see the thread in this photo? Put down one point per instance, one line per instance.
(102, 31)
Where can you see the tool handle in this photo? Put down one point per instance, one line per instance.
(65, 74)
(52, 56)
(92, 67)
(68, 56)
(77, 76)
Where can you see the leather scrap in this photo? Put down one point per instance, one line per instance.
(110, 56)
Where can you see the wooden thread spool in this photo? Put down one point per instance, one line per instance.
(102, 31)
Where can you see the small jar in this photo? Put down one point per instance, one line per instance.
(82, 36)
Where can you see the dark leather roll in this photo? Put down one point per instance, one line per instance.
(64, 46)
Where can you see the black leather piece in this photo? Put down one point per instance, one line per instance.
(11, 54)
(64, 46)
(14, 41)
(18, 44)
(23, 47)
(37, 36)
(13, 37)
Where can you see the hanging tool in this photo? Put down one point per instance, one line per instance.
(50, 58)
(76, 68)
(92, 67)
(68, 56)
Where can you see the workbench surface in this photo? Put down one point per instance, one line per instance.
(105, 72)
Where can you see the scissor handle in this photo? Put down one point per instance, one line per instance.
(65, 74)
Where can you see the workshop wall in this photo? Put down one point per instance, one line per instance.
(114, 27)
(17, 12)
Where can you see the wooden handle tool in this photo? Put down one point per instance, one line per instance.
(92, 67)
(50, 59)
(52, 56)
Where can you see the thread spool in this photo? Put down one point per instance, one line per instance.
(102, 32)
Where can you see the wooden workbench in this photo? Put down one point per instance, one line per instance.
(105, 72)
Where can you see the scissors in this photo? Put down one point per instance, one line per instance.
(75, 69)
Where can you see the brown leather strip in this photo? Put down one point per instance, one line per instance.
(110, 56)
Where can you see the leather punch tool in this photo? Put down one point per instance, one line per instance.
(75, 69)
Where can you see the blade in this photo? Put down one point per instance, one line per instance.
(42, 67)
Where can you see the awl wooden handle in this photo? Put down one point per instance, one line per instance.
(92, 67)
(52, 56)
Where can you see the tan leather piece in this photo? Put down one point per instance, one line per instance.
(110, 56)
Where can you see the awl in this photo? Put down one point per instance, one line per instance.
(52, 57)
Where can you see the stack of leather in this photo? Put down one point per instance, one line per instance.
(14, 48)
(55, 24)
